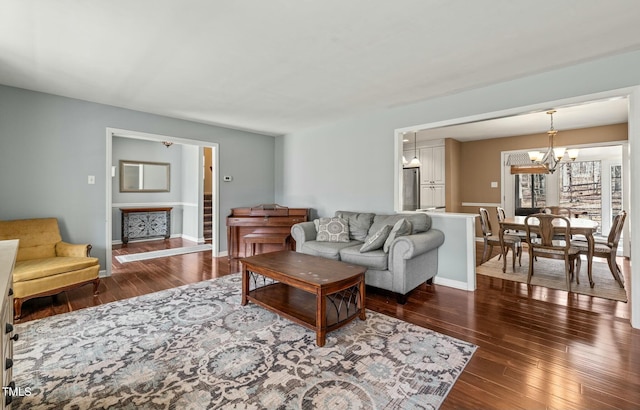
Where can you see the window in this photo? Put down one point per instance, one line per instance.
(580, 188)
(616, 190)
(531, 191)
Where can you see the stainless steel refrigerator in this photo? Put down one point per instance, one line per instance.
(411, 189)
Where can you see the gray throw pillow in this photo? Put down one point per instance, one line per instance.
(401, 228)
(376, 241)
(332, 230)
(359, 223)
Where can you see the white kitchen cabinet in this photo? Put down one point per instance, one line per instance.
(431, 195)
(432, 168)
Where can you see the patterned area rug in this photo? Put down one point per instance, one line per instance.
(133, 257)
(550, 273)
(196, 347)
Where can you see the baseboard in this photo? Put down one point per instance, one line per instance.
(192, 238)
(173, 236)
(456, 284)
(119, 242)
(223, 253)
(103, 274)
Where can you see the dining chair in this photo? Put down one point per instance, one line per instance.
(548, 227)
(490, 240)
(606, 249)
(557, 210)
(501, 217)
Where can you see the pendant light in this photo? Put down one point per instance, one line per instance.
(415, 162)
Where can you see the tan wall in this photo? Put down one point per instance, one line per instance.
(453, 181)
(480, 161)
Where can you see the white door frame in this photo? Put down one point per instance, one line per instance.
(110, 133)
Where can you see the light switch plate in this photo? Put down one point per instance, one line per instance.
(494, 184)
(91, 179)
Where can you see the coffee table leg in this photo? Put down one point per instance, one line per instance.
(361, 286)
(245, 286)
(321, 318)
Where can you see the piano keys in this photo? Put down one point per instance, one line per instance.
(271, 219)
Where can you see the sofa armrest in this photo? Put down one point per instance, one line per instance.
(410, 246)
(303, 232)
(69, 249)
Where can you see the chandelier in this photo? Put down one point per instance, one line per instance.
(553, 155)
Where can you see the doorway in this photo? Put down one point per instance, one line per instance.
(590, 186)
(191, 168)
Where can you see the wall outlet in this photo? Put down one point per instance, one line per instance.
(91, 180)
(494, 184)
(227, 178)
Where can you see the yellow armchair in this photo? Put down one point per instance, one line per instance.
(45, 265)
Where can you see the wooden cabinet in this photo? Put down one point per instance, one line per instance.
(138, 223)
(8, 251)
(432, 168)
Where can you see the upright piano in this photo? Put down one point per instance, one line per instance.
(271, 219)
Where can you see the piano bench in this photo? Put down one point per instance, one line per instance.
(261, 238)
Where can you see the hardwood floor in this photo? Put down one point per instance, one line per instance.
(538, 348)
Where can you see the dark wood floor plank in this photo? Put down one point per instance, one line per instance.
(538, 348)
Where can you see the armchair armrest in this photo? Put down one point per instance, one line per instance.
(69, 249)
(303, 232)
(410, 246)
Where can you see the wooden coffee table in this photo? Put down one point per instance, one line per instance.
(318, 293)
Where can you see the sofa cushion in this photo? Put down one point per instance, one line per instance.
(332, 230)
(40, 268)
(374, 259)
(330, 250)
(359, 223)
(401, 228)
(420, 222)
(377, 240)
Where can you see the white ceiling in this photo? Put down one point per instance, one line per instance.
(279, 66)
(595, 113)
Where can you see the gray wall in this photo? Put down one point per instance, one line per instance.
(150, 151)
(349, 164)
(50, 144)
(358, 174)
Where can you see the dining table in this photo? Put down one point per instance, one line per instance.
(578, 226)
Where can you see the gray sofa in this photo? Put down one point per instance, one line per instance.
(411, 259)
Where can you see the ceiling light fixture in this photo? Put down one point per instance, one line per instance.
(415, 162)
(167, 143)
(552, 157)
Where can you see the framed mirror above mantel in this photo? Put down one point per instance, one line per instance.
(144, 176)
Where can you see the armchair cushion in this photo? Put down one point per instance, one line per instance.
(39, 268)
(38, 237)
